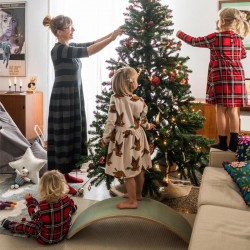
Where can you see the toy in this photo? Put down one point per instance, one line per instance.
(21, 178)
(7, 204)
(32, 84)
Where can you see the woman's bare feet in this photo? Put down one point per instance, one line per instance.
(127, 204)
(139, 197)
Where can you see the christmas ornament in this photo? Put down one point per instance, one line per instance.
(102, 160)
(164, 72)
(183, 81)
(157, 119)
(91, 166)
(150, 23)
(128, 43)
(172, 73)
(170, 44)
(111, 74)
(155, 81)
(151, 147)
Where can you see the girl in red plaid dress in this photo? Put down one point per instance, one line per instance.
(226, 78)
(51, 217)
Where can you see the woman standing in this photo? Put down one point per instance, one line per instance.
(67, 133)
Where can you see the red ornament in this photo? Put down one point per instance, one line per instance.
(171, 43)
(155, 81)
(128, 43)
(183, 81)
(172, 73)
(150, 23)
(102, 160)
(111, 74)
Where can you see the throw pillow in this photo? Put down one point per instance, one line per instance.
(243, 151)
(240, 173)
(32, 163)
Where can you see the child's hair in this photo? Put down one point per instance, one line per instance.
(235, 20)
(124, 80)
(57, 23)
(53, 186)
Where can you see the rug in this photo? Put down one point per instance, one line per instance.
(181, 197)
(111, 234)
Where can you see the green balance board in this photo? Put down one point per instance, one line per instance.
(148, 209)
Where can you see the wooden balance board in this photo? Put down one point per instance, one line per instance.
(148, 209)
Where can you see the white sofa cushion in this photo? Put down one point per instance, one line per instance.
(217, 188)
(220, 228)
(217, 157)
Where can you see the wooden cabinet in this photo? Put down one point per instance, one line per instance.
(209, 129)
(26, 109)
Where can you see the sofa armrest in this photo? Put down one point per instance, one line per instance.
(217, 157)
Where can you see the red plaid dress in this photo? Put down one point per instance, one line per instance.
(50, 221)
(226, 77)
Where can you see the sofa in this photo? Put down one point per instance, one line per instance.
(223, 218)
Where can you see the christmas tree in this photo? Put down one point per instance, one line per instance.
(150, 48)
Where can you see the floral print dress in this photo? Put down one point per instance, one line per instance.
(128, 150)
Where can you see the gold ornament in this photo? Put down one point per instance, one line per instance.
(157, 119)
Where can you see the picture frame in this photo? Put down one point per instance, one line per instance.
(12, 39)
(243, 5)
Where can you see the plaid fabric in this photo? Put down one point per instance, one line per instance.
(67, 135)
(50, 221)
(226, 77)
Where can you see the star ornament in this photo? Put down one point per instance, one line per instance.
(32, 163)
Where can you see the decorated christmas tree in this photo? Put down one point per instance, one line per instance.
(149, 46)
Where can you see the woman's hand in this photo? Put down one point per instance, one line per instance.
(116, 33)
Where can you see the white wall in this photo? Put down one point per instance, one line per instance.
(197, 18)
(193, 16)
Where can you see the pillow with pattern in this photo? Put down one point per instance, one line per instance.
(243, 151)
(240, 173)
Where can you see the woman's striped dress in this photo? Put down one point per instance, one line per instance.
(67, 135)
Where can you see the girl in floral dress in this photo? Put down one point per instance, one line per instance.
(128, 151)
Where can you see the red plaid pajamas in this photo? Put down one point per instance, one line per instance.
(50, 221)
(226, 77)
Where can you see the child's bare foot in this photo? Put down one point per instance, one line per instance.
(139, 197)
(127, 204)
